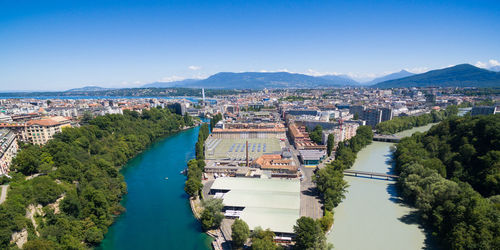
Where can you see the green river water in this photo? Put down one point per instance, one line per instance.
(158, 215)
(372, 216)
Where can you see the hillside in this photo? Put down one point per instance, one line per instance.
(463, 75)
(259, 80)
(495, 68)
(87, 88)
(341, 78)
(393, 76)
(169, 84)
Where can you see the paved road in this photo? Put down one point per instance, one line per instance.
(3, 195)
(206, 187)
(310, 204)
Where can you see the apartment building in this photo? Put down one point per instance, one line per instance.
(42, 130)
(8, 149)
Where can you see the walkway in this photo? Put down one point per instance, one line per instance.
(3, 195)
(310, 203)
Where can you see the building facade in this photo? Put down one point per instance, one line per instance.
(8, 149)
(41, 131)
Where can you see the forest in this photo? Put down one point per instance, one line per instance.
(452, 175)
(401, 123)
(75, 178)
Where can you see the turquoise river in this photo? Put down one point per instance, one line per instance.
(158, 215)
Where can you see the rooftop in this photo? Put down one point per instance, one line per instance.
(269, 203)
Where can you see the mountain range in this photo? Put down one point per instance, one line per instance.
(260, 80)
(462, 75)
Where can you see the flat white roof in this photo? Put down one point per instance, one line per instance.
(269, 203)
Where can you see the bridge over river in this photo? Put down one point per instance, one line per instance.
(372, 210)
(370, 174)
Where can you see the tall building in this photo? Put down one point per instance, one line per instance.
(387, 114)
(372, 116)
(358, 109)
(8, 149)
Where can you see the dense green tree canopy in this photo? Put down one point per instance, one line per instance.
(239, 233)
(401, 123)
(82, 165)
(316, 134)
(309, 235)
(447, 173)
(211, 217)
(263, 239)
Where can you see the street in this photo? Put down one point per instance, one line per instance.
(310, 203)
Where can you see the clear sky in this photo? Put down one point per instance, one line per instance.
(56, 45)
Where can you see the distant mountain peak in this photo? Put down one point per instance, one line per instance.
(392, 76)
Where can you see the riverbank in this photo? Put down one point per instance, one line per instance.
(373, 216)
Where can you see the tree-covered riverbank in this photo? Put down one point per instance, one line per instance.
(402, 123)
(80, 191)
(452, 175)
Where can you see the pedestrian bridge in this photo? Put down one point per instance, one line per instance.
(369, 174)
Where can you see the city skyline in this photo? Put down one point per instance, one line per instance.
(62, 45)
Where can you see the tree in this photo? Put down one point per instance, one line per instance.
(94, 235)
(47, 191)
(309, 235)
(193, 186)
(70, 205)
(211, 216)
(87, 117)
(40, 244)
(240, 233)
(356, 116)
(326, 221)
(263, 239)
(330, 144)
(207, 220)
(27, 160)
(316, 134)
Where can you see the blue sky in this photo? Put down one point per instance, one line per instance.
(56, 45)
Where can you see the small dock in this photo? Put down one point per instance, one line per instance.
(370, 174)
